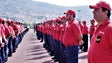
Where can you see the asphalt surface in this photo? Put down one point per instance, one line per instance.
(31, 50)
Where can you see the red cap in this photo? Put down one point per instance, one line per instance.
(100, 4)
(57, 20)
(70, 12)
(8, 21)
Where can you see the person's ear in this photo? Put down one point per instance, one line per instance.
(106, 12)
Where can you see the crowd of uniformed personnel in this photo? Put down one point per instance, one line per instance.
(11, 34)
(64, 36)
(54, 34)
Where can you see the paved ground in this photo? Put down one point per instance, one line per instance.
(30, 50)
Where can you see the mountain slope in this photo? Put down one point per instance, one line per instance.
(28, 10)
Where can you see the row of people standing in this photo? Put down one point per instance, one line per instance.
(63, 36)
(100, 50)
(11, 34)
(86, 32)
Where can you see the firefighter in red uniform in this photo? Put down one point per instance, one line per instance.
(6, 33)
(62, 47)
(55, 41)
(80, 24)
(4, 49)
(85, 36)
(37, 31)
(1, 42)
(100, 50)
(11, 37)
(92, 28)
(72, 37)
(16, 31)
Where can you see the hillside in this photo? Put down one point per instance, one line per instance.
(28, 10)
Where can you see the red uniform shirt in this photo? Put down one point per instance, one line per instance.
(71, 35)
(11, 31)
(100, 50)
(62, 32)
(7, 31)
(92, 29)
(80, 26)
(45, 29)
(39, 27)
(0, 35)
(0, 31)
(57, 32)
(49, 30)
(15, 28)
(2, 27)
(54, 32)
(85, 30)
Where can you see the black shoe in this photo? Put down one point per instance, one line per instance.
(38, 38)
(10, 54)
(6, 60)
(14, 51)
(84, 50)
(51, 54)
(41, 41)
(55, 60)
(61, 62)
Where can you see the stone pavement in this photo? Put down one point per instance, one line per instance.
(31, 50)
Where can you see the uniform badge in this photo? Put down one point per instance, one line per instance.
(98, 39)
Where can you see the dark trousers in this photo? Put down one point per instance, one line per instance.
(10, 47)
(62, 53)
(85, 45)
(71, 54)
(1, 56)
(14, 44)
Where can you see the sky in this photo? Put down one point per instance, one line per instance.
(73, 2)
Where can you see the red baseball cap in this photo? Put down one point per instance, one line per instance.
(57, 20)
(9, 22)
(70, 12)
(100, 4)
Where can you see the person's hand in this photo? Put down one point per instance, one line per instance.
(81, 42)
(6, 41)
(13, 36)
(2, 45)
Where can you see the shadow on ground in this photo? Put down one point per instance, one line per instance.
(50, 61)
(40, 57)
(83, 57)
